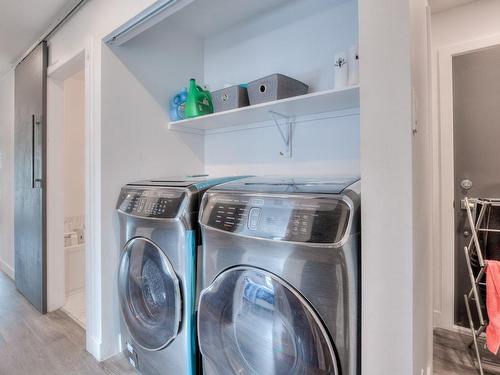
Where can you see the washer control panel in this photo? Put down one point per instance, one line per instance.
(296, 219)
(152, 203)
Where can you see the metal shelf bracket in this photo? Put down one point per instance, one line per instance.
(286, 135)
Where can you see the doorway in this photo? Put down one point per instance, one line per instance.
(463, 150)
(74, 196)
(67, 108)
(476, 131)
(466, 129)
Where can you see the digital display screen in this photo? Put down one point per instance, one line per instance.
(150, 203)
(312, 220)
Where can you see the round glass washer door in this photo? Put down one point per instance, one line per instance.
(252, 322)
(149, 292)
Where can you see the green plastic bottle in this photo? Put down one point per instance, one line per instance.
(199, 101)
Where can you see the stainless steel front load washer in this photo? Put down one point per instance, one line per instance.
(157, 273)
(281, 277)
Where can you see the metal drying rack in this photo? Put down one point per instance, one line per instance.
(478, 216)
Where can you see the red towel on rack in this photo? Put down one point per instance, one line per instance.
(493, 305)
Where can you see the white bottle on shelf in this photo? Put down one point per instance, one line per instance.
(353, 64)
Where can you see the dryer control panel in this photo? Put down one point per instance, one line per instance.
(150, 203)
(294, 219)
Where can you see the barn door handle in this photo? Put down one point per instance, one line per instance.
(33, 151)
(36, 178)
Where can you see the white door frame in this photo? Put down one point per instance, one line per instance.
(62, 69)
(443, 161)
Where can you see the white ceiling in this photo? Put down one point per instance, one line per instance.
(441, 5)
(22, 22)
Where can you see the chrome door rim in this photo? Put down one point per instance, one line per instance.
(303, 301)
(177, 292)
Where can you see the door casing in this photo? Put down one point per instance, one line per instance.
(476, 83)
(443, 181)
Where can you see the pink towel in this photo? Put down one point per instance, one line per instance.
(493, 305)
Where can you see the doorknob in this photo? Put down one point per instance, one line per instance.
(466, 233)
(466, 184)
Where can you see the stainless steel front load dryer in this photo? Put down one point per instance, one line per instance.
(281, 277)
(157, 273)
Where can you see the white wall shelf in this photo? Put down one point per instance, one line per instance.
(309, 104)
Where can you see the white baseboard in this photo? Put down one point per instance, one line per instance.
(459, 329)
(75, 291)
(100, 351)
(7, 269)
(74, 318)
(93, 346)
(110, 349)
(465, 330)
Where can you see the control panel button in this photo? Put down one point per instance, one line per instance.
(253, 218)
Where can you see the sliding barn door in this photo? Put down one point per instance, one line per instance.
(30, 150)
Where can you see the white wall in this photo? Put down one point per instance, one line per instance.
(280, 42)
(74, 146)
(136, 144)
(85, 31)
(7, 174)
(273, 42)
(319, 147)
(390, 53)
(277, 42)
(471, 21)
(422, 179)
(94, 21)
(163, 73)
(466, 23)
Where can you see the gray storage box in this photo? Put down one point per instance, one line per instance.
(275, 87)
(230, 98)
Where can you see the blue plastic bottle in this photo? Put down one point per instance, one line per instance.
(177, 104)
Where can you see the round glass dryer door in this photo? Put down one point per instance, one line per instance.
(149, 293)
(252, 322)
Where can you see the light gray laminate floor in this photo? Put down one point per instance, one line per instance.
(53, 344)
(452, 356)
(50, 344)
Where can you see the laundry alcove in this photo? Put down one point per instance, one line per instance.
(221, 43)
(218, 44)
